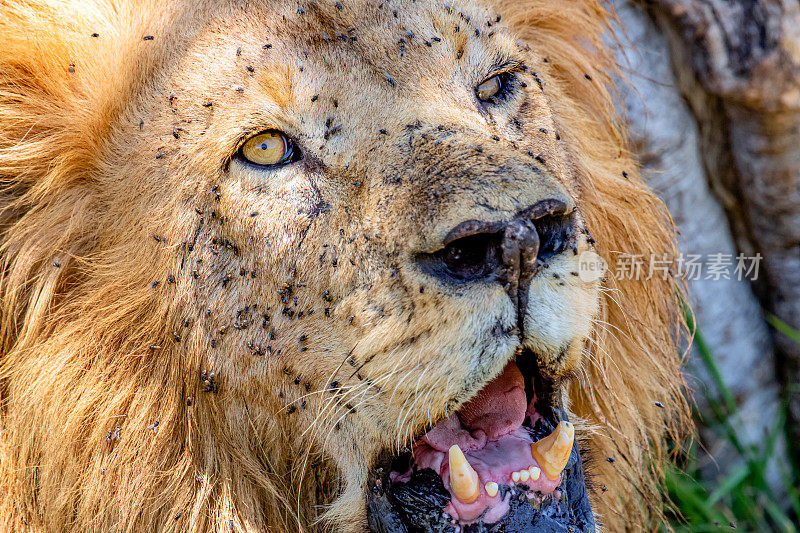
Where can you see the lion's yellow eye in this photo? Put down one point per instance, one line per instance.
(489, 88)
(269, 148)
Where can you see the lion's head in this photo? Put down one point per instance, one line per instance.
(266, 263)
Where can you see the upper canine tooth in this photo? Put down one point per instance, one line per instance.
(463, 478)
(552, 452)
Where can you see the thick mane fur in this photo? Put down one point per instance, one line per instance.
(77, 323)
(86, 349)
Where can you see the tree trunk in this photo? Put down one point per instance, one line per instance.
(714, 107)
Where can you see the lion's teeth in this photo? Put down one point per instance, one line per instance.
(524, 475)
(463, 478)
(534, 473)
(515, 477)
(552, 452)
(491, 488)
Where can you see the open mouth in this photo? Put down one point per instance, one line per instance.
(505, 461)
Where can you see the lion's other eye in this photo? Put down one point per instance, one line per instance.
(489, 88)
(268, 148)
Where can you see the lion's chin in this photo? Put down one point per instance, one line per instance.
(506, 461)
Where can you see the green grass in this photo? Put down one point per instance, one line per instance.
(743, 499)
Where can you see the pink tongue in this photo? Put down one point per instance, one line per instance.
(497, 410)
(489, 431)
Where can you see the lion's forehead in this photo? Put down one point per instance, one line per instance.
(405, 47)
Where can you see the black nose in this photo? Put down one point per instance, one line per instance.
(510, 252)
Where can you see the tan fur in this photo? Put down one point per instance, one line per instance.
(115, 175)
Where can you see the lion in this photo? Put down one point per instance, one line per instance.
(317, 266)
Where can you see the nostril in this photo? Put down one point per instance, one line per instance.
(556, 234)
(471, 257)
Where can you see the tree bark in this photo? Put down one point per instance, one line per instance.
(714, 108)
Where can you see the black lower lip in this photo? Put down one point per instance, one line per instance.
(422, 512)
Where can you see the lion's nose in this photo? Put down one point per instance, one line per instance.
(509, 252)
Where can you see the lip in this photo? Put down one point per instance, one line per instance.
(419, 502)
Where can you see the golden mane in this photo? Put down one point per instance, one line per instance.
(79, 324)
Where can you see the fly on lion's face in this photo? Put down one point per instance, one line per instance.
(360, 227)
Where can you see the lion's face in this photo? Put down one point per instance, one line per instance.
(417, 236)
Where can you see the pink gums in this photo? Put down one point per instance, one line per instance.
(489, 431)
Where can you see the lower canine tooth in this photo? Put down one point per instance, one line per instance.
(515, 476)
(491, 489)
(552, 452)
(534, 473)
(463, 478)
(524, 475)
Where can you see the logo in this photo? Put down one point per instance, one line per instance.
(591, 266)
